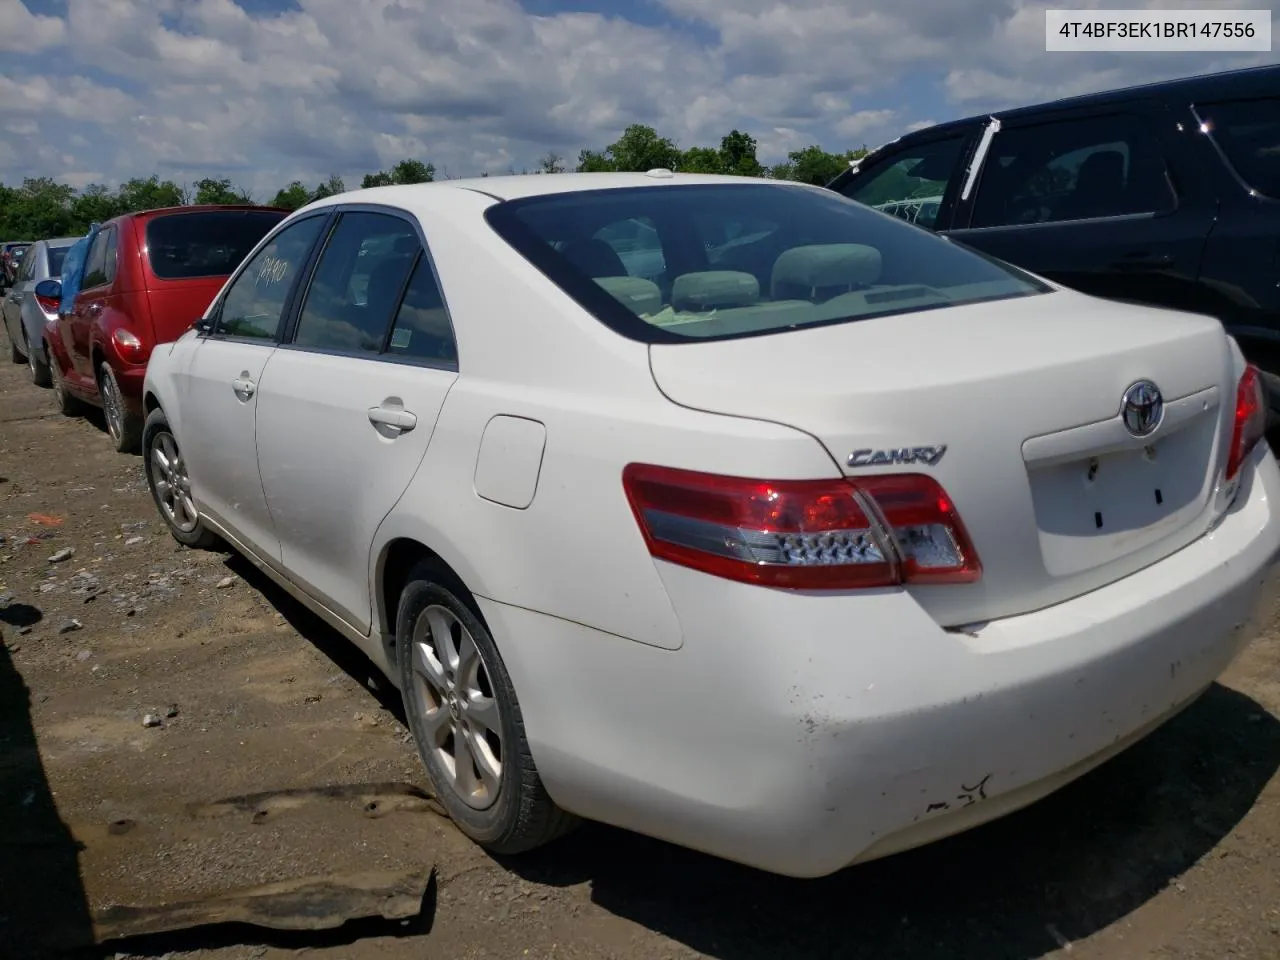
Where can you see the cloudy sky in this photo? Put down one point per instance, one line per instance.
(265, 91)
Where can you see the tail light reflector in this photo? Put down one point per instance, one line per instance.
(48, 304)
(803, 534)
(1250, 419)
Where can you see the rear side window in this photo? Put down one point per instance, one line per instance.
(96, 270)
(1248, 133)
(742, 259)
(182, 246)
(56, 255)
(1104, 166)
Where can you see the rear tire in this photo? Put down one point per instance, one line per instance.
(39, 368)
(123, 425)
(461, 705)
(170, 486)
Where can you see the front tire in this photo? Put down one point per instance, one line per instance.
(68, 405)
(170, 486)
(466, 721)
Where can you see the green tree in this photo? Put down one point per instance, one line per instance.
(292, 197)
(150, 193)
(96, 203)
(551, 163)
(701, 160)
(42, 208)
(406, 171)
(380, 179)
(637, 150)
(211, 190)
(738, 155)
(329, 188)
(814, 165)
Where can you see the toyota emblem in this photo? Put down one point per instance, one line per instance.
(1142, 408)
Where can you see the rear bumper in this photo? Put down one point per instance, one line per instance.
(801, 734)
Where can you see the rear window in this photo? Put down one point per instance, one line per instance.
(182, 246)
(698, 262)
(1248, 132)
(56, 255)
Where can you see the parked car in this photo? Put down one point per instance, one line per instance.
(813, 548)
(25, 314)
(10, 258)
(147, 277)
(1166, 194)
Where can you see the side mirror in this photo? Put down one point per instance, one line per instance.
(49, 289)
(203, 326)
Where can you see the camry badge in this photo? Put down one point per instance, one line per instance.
(929, 456)
(1142, 408)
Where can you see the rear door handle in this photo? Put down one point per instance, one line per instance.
(1143, 261)
(244, 386)
(397, 417)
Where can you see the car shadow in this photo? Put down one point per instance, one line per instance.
(1058, 871)
(43, 909)
(1020, 887)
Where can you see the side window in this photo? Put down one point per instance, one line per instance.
(1248, 132)
(357, 283)
(1072, 170)
(637, 245)
(255, 300)
(910, 184)
(422, 330)
(28, 265)
(95, 269)
(109, 255)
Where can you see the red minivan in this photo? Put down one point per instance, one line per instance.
(147, 278)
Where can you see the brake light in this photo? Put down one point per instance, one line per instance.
(1250, 420)
(130, 348)
(803, 534)
(48, 304)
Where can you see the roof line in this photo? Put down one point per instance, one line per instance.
(483, 193)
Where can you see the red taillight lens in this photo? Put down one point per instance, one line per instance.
(1250, 420)
(129, 346)
(803, 534)
(48, 304)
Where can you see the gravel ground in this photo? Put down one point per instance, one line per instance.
(142, 683)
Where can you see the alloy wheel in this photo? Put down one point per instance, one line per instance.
(112, 403)
(460, 715)
(172, 485)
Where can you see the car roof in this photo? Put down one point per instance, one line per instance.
(145, 215)
(1248, 81)
(529, 185)
(59, 242)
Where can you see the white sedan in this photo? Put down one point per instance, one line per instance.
(811, 538)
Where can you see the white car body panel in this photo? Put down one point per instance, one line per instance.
(792, 730)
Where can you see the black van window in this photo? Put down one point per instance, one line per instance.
(1105, 166)
(1248, 132)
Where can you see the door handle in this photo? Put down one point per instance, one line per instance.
(1143, 261)
(397, 417)
(244, 386)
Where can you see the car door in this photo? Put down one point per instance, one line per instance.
(919, 181)
(99, 270)
(1095, 200)
(218, 388)
(17, 293)
(350, 402)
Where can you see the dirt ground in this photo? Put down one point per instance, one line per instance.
(1171, 850)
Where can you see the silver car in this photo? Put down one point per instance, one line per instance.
(24, 315)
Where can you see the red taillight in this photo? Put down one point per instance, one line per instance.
(130, 348)
(48, 304)
(1250, 419)
(803, 534)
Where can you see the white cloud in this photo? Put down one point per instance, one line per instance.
(192, 87)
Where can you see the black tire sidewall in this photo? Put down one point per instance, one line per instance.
(495, 824)
(130, 428)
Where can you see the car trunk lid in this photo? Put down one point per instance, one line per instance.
(1024, 394)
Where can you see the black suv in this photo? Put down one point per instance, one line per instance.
(1167, 194)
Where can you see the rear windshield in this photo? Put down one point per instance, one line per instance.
(1248, 132)
(670, 263)
(181, 246)
(56, 256)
